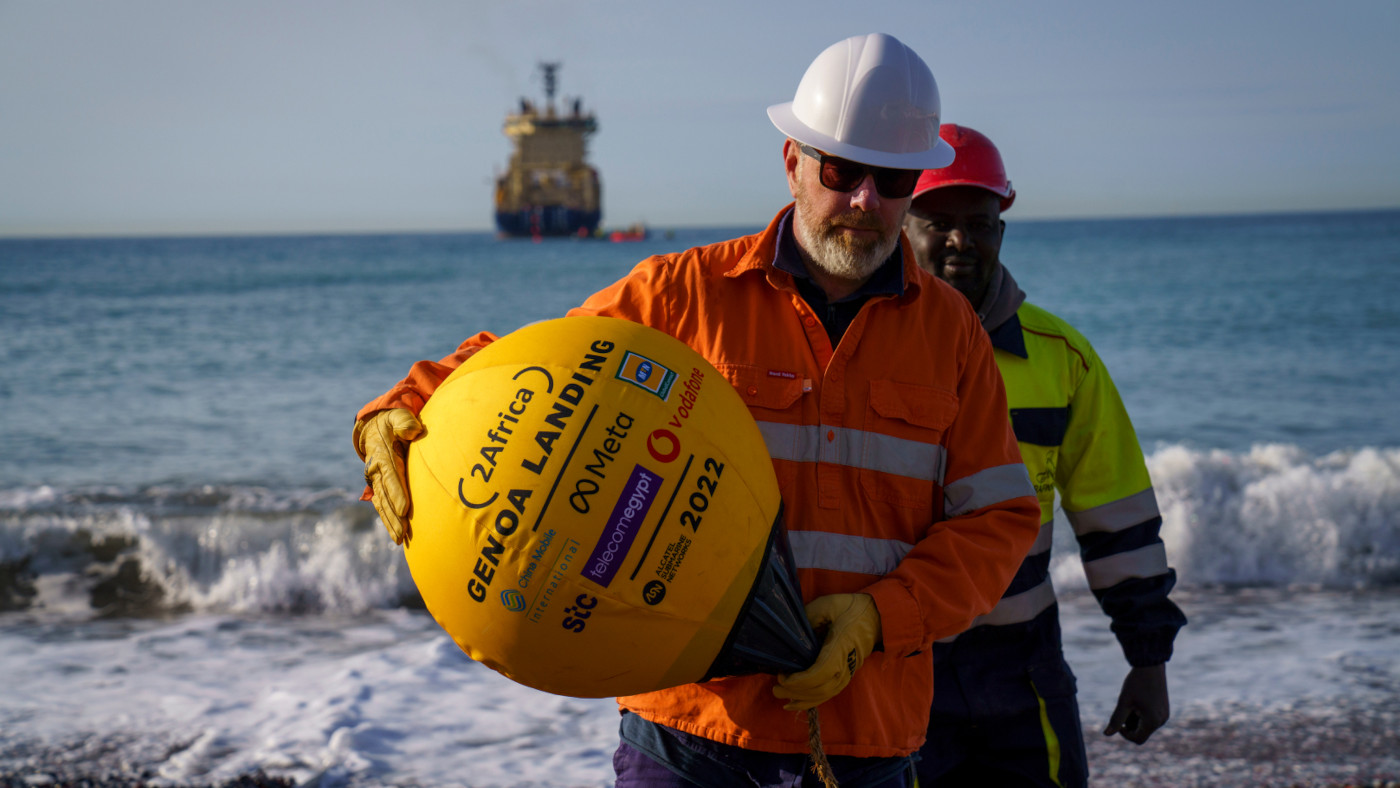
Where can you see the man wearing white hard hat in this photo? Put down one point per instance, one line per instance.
(906, 503)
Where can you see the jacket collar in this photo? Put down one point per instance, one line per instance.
(1008, 337)
(998, 313)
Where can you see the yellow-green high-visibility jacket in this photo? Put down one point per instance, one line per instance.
(1075, 437)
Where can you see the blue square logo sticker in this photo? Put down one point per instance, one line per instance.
(642, 371)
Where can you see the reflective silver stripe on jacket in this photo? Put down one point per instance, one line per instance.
(846, 553)
(986, 487)
(1111, 570)
(1016, 609)
(871, 556)
(1007, 615)
(871, 451)
(1115, 515)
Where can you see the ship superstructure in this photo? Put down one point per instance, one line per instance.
(548, 187)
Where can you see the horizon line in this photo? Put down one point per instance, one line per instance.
(97, 235)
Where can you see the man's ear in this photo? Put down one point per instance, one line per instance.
(791, 157)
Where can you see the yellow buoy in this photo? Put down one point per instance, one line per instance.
(595, 513)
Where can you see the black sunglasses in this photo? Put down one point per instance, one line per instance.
(843, 175)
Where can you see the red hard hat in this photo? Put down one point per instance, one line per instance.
(978, 163)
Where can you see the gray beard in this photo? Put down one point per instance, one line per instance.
(839, 255)
(835, 256)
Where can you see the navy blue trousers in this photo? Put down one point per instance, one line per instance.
(1019, 732)
(654, 756)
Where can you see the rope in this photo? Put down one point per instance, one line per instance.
(820, 765)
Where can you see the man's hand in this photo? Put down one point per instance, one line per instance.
(852, 627)
(1143, 706)
(382, 440)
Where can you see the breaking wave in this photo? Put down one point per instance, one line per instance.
(1271, 516)
(1274, 516)
(232, 549)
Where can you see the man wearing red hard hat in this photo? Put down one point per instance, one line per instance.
(1004, 709)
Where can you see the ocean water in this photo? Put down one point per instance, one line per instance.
(190, 589)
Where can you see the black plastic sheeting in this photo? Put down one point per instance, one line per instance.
(771, 634)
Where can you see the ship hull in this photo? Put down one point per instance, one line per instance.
(549, 220)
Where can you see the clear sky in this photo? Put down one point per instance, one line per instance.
(206, 116)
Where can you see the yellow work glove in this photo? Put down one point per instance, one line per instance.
(852, 627)
(382, 440)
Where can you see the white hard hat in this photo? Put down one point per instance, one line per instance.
(869, 99)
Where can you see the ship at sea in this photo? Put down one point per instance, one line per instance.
(548, 188)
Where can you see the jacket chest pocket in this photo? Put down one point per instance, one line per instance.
(902, 459)
(772, 399)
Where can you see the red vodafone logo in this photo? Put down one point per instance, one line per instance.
(663, 445)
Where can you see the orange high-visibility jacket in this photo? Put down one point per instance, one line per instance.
(899, 472)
